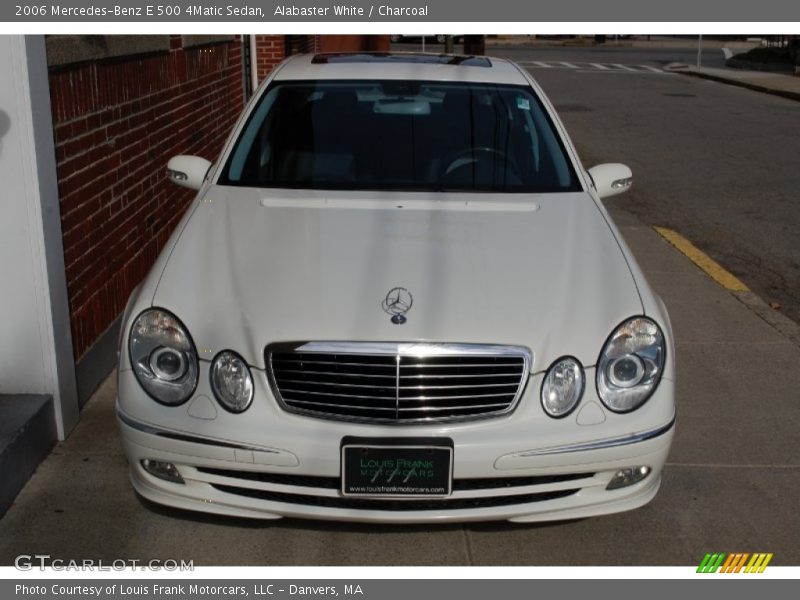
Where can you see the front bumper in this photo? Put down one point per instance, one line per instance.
(269, 464)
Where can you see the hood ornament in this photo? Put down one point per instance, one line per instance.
(397, 303)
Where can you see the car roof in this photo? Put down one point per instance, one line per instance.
(401, 65)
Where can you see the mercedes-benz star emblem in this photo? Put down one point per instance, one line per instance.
(397, 303)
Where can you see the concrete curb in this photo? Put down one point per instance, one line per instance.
(27, 433)
(745, 84)
(785, 326)
(733, 285)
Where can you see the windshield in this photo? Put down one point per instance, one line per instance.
(399, 135)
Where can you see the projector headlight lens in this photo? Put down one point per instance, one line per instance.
(163, 357)
(631, 364)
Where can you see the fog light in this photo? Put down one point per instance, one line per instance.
(162, 470)
(562, 387)
(629, 476)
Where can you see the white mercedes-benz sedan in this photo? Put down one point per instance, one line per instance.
(397, 297)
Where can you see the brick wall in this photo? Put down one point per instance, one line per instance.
(118, 117)
(116, 123)
(272, 49)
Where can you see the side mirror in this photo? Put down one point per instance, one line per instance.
(611, 179)
(188, 171)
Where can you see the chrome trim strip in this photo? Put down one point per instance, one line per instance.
(397, 402)
(418, 349)
(398, 399)
(348, 364)
(315, 403)
(399, 350)
(183, 437)
(439, 408)
(602, 444)
(328, 394)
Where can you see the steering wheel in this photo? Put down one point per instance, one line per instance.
(472, 155)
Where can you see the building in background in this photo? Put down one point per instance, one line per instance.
(87, 124)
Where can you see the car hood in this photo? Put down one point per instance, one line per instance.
(253, 267)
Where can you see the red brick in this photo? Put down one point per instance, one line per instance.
(116, 123)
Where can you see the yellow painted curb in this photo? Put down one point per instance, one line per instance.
(711, 267)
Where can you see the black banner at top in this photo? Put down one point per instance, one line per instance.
(401, 11)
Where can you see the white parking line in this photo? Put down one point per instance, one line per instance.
(592, 67)
(533, 63)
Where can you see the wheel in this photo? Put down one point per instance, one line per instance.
(441, 39)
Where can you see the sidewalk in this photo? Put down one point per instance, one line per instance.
(777, 84)
(731, 482)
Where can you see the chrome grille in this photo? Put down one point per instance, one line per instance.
(397, 382)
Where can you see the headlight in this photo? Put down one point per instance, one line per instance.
(562, 387)
(163, 357)
(630, 365)
(231, 381)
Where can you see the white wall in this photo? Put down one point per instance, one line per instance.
(35, 355)
(22, 364)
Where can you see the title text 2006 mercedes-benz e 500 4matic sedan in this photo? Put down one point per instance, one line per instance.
(397, 297)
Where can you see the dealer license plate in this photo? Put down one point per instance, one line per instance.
(399, 471)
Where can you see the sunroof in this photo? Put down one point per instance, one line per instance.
(385, 57)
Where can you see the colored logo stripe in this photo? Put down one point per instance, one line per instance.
(734, 562)
(711, 563)
(758, 563)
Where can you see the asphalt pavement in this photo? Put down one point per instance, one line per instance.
(658, 52)
(657, 56)
(713, 162)
(716, 162)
